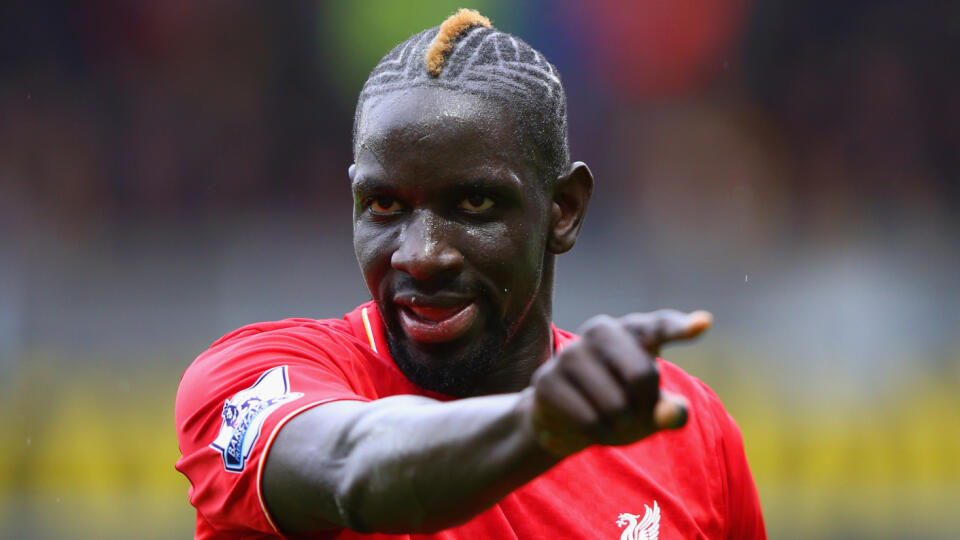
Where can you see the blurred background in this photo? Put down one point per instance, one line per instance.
(172, 170)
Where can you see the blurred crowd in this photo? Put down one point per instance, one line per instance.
(115, 111)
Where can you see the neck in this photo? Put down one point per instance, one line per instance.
(529, 344)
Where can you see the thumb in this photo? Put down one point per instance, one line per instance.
(670, 412)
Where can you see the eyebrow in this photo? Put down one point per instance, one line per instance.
(367, 184)
(500, 180)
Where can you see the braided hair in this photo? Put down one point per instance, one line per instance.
(466, 54)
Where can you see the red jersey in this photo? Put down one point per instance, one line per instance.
(688, 483)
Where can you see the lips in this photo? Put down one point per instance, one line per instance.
(428, 323)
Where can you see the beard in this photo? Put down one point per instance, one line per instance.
(452, 372)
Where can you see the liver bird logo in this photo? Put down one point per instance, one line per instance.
(647, 528)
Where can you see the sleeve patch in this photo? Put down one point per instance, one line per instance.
(244, 414)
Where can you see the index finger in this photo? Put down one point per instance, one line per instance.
(655, 328)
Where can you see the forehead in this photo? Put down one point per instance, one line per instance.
(438, 130)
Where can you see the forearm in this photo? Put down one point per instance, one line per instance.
(407, 464)
(429, 465)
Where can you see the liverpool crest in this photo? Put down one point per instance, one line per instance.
(645, 528)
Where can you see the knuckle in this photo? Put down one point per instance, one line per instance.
(575, 356)
(635, 374)
(669, 319)
(653, 371)
(638, 322)
(595, 327)
(662, 326)
(572, 354)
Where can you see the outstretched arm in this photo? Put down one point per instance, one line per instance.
(408, 464)
(400, 464)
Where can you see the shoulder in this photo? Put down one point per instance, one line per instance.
(239, 358)
(675, 379)
(710, 421)
(293, 328)
(306, 338)
(237, 394)
(705, 405)
(721, 437)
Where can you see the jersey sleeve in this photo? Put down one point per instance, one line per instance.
(234, 399)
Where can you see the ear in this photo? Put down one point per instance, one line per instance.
(571, 195)
(351, 171)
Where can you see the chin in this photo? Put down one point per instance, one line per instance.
(452, 368)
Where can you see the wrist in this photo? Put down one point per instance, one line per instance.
(540, 433)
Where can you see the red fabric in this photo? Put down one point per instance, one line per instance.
(698, 475)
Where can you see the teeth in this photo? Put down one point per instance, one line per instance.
(436, 324)
(435, 314)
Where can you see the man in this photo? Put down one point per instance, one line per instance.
(450, 406)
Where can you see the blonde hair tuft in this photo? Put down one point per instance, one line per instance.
(450, 30)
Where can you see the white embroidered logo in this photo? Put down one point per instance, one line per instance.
(647, 528)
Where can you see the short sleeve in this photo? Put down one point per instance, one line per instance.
(234, 399)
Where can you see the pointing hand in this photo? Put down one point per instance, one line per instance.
(605, 387)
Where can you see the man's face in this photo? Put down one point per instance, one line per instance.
(450, 230)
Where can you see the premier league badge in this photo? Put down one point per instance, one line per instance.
(244, 414)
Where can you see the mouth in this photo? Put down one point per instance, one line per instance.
(433, 323)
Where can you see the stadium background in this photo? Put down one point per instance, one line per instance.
(172, 170)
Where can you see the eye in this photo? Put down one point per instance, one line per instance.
(476, 203)
(384, 205)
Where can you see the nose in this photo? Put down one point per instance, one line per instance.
(424, 249)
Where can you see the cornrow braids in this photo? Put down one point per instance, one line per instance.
(466, 54)
(449, 31)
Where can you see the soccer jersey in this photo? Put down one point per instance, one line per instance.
(233, 400)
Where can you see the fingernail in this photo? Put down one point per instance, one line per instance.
(700, 320)
(680, 419)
